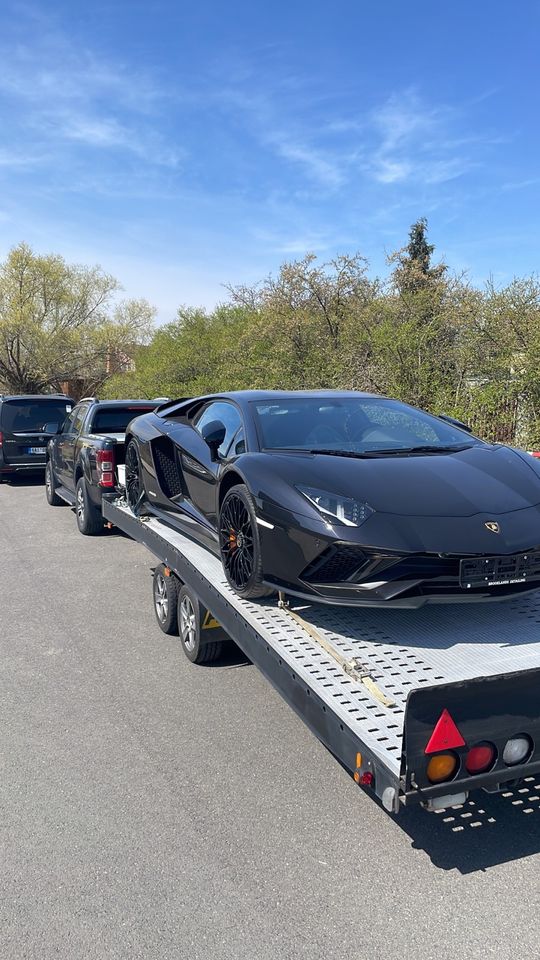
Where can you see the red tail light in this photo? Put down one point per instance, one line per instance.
(480, 758)
(1, 438)
(105, 467)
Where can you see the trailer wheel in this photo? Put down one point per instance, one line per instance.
(165, 590)
(192, 623)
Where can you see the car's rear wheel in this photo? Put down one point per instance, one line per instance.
(89, 517)
(240, 544)
(50, 487)
(134, 484)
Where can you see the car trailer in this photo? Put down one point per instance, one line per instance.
(421, 706)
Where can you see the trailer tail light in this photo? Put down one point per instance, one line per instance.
(105, 467)
(517, 750)
(442, 767)
(480, 758)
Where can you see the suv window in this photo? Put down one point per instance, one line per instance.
(229, 416)
(30, 415)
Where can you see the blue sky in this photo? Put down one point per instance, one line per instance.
(184, 146)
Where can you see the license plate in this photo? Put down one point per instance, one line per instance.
(499, 571)
(37, 450)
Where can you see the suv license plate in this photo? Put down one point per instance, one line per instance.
(36, 450)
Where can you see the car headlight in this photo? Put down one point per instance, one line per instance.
(351, 512)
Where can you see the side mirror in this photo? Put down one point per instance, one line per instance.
(213, 434)
(455, 423)
(51, 428)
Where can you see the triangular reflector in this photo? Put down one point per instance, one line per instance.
(445, 736)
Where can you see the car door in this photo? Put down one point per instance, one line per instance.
(69, 442)
(200, 471)
(57, 450)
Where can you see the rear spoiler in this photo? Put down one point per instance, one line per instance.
(458, 716)
(163, 407)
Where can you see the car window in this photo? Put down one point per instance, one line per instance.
(67, 426)
(116, 419)
(351, 424)
(80, 414)
(237, 445)
(31, 415)
(229, 416)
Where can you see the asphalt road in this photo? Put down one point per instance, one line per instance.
(151, 808)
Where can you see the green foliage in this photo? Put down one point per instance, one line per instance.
(424, 336)
(59, 323)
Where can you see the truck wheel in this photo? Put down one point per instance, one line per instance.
(89, 518)
(195, 625)
(165, 589)
(50, 487)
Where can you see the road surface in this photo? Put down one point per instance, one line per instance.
(153, 809)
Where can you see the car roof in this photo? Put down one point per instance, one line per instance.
(34, 396)
(120, 403)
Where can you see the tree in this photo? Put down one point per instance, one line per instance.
(414, 271)
(61, 323)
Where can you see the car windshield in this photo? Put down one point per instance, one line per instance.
(116, 419)
(31, 415)
(353, 425)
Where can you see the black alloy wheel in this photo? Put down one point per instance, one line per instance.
(134, 485)
(239, 544)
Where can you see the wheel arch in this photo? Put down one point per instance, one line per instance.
(231, 479)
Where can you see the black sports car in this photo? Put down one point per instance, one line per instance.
(340, 497)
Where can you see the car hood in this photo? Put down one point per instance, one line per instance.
(481, 479)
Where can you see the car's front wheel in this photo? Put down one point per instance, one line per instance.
(240, 544)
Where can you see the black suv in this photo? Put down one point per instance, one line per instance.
(26, 425)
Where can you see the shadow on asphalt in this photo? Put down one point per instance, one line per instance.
(487, 830)
(25, 480)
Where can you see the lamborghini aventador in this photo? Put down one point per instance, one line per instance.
(340, 497)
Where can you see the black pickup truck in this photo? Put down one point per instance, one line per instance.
(85, 458)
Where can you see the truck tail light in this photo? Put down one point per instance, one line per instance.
(480, 758)
(1, 438)
(105, 467)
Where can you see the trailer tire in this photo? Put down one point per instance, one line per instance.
(50, 487)
(191, 619)
(89, 518)
(165, 591)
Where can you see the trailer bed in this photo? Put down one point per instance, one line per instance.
(402, 650)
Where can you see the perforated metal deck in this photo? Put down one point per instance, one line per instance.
(402, 649)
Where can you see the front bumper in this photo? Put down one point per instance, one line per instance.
(309, 565)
